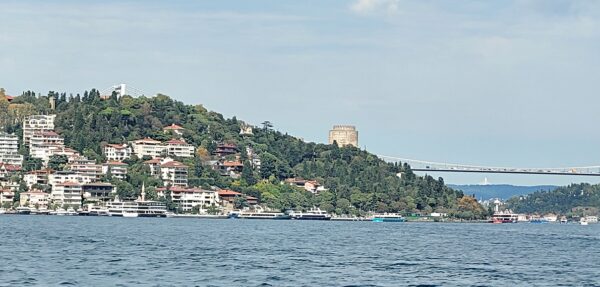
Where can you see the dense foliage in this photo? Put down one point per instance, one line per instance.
(574, 199)
(356, 180)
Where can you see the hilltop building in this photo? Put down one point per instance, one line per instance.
(37, 123)
(344, 135)
(117, 152)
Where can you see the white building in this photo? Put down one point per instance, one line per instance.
(187, 198)
(37, 177)
(85, 166)
(6, 197)
(175, 129)
(67, 193)
(117, 152)
(148, 147)
(179, 148)
(117, 169)
(34, 198)
(9, 145)
(174, 173)
(12, 158)
(37, 123)
(69, 176)
(44, 144)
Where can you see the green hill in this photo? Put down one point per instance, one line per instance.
(356, 181)
(564, 200)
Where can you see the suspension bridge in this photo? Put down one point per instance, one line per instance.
(428, 166)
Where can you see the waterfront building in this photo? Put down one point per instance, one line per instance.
(179, 148)
(36, 123)
(344, 135)
(175, 129)
(174, 173)
(98, 192)
(117, 152)
(67, 193)
(6, 197)
(148, 147)
(188, 198)
(117, 169)
(34, 198)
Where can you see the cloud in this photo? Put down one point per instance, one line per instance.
(375, 6)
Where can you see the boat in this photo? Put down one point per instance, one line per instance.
(388, 217)
(312, 214)
(71, 212)
(127, 213)
(538, 220)
(505, 217)
(98, 211)
(2, 211)
(262, 215)
(583, 221)
(23, 210)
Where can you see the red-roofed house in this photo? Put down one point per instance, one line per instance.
(174, 129)
(6, 170)
(226, 149)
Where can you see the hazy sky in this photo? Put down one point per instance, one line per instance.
(500, 83)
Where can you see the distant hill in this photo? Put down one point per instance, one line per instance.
(503, 191)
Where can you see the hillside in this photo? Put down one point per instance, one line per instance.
(355, 180)
(563, 200)
(502, 191)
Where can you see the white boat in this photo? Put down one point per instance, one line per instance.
(2, 211)
(312, 214)
(583, 221)
(71, 211)
(23, 210)
(129, 214)
(261, 215)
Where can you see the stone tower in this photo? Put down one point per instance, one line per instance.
(344, 135)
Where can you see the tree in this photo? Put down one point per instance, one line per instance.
(57, 162)
(267, 125)
(248, 174)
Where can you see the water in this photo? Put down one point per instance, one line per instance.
(103, 251)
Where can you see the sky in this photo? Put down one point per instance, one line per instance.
(494, 83)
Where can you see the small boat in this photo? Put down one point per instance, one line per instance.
(71, 212)
(388, 217)
(539, 220)
(583, 221)
(312, 214)
(23, 210)
(2, 211)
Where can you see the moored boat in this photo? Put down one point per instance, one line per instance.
(23, 210)
(505, 217)
(388, 217)
(312, 214)
(263, 215)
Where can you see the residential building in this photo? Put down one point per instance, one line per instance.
(148, 147)
(37, 177)
(117, 152)
(187, 198)
(344, 135)
(225, 149)
(7, 170)
(85, 166)
(44, 144)
(98, 192)
(175, 129)
(67, 193)
(11, 158)
(34, 198)
(9, 145)
(155, 164)
(6, 197)
(70, 176)
(36, 123)
(174, 173)
(309, 185)
(179, 148)
(117, 169)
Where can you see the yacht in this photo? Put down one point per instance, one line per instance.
(70, 211)
(312, 214)
(2, 211)
(98, 211)
(388, 217)
(23, 210)
(583, 221)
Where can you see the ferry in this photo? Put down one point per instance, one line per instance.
(259, 215)
(136, 209)
(388, 217)
(505, 217)
(313, 214)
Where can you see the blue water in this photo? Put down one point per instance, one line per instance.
(106, 251)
